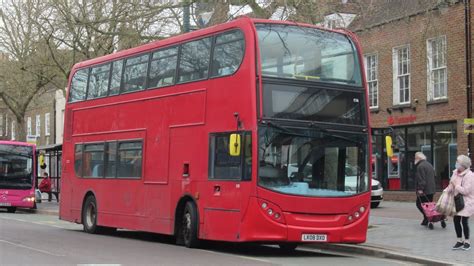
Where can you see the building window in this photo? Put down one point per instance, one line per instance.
(38, 125)
(46, 124)
(28, 126)
(437, 71)
(401, 75)
(13, 130)
(371, 64)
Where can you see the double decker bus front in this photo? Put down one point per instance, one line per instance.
(16, 176)
(313, 137)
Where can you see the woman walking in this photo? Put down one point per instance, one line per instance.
(462, 182)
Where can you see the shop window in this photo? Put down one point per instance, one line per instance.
(444, 152)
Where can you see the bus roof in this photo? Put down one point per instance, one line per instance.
(16, 143)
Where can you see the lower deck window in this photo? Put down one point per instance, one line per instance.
(116, 159)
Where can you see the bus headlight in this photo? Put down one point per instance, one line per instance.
(355, 215)
(272, 211)
(29, 199)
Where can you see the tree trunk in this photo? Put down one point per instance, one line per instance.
(20, 128)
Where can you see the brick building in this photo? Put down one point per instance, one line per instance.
(41, 120)
(415, 59)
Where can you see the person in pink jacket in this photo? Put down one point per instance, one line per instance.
(462, 182)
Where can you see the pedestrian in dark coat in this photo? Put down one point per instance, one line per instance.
(425, 183)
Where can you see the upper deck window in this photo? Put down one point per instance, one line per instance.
(293, 52)
(228, 53)
(160, 68)
(79, 86)
(134, 76)
(194, 60)
(163, 68)
(98, 81)
(116, 78)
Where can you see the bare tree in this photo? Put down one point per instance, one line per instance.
(25, 69)
(75, 30)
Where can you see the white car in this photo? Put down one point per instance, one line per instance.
(376, 194)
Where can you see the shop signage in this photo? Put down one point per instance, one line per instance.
(396, 120)
(469, 125)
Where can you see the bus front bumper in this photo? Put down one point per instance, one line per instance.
(259, 226)
(18, 203)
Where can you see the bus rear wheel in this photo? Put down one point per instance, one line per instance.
(11, 209)
(189, 226)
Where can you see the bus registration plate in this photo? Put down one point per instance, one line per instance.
(5, 204)
(314, 237)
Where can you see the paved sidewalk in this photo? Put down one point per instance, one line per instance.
(395, 232)
(50, 208)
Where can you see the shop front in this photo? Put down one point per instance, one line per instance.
(438, 141)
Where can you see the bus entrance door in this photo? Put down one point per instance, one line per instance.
(224, 190)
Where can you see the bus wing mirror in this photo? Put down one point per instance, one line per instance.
(234, 145)
(388, 146)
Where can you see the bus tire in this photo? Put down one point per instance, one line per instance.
(189, 225)
(11, 209)
(374, 205)
(288, 247)
(89, 216)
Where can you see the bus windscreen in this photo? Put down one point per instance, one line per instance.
(16, 167)
(310, 54)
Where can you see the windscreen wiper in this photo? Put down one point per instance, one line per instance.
(328, 133)
(283, 129)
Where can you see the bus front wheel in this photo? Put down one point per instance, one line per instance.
(288, 247)
(11, 209)
(189, 226)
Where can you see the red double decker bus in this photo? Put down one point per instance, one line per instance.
(253, 130)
